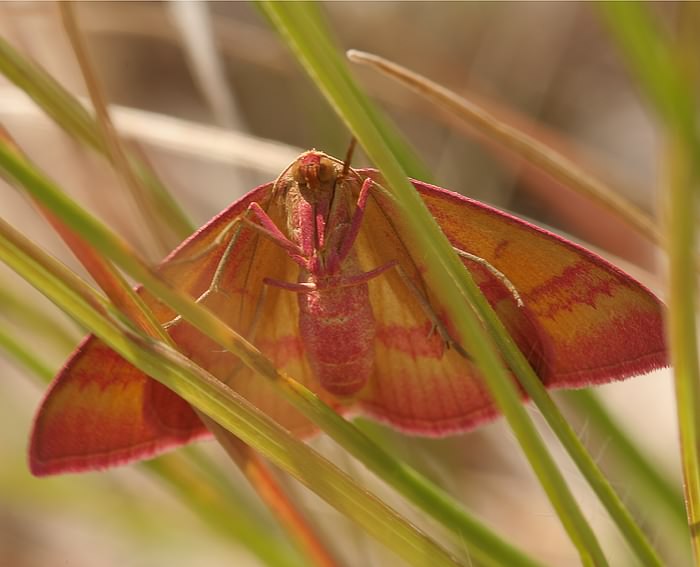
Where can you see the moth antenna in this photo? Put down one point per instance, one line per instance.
(348, 155)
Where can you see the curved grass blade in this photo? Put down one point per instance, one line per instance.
(229, 516)
(567, 172)
(650, 55)
(298, 24)
(558, 166)
(202, 495)
(146, 209)
(657, 66)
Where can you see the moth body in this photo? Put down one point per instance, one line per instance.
(338, 329)
(336, 322)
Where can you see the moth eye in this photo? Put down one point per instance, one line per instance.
(326, 171)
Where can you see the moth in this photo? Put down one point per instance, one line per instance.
(319, 271)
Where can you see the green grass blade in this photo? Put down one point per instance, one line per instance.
(58, 103)
(298, 24)
(657, 67)
(683, 333)
(564, 170)
(662, 78)
(209, 395)
(126, 299)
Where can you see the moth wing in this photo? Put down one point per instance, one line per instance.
(596, 324)
(565, 327)
(100, 410)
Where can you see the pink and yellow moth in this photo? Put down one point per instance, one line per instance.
(318, 272)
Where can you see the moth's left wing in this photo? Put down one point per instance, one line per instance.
(420, 384)
(583, 321)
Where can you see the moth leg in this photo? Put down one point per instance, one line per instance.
(266, 227)
(433, 317)
(306, 287)
(494, 271)
(303, 287)
(355, 221)
(236, 224)
(369, 275)
(220, 238)
(213, 245)
(438, 325)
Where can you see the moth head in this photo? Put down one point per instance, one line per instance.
(313, 174)
(316, 169)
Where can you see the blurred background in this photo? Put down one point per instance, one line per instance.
(217, 105)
